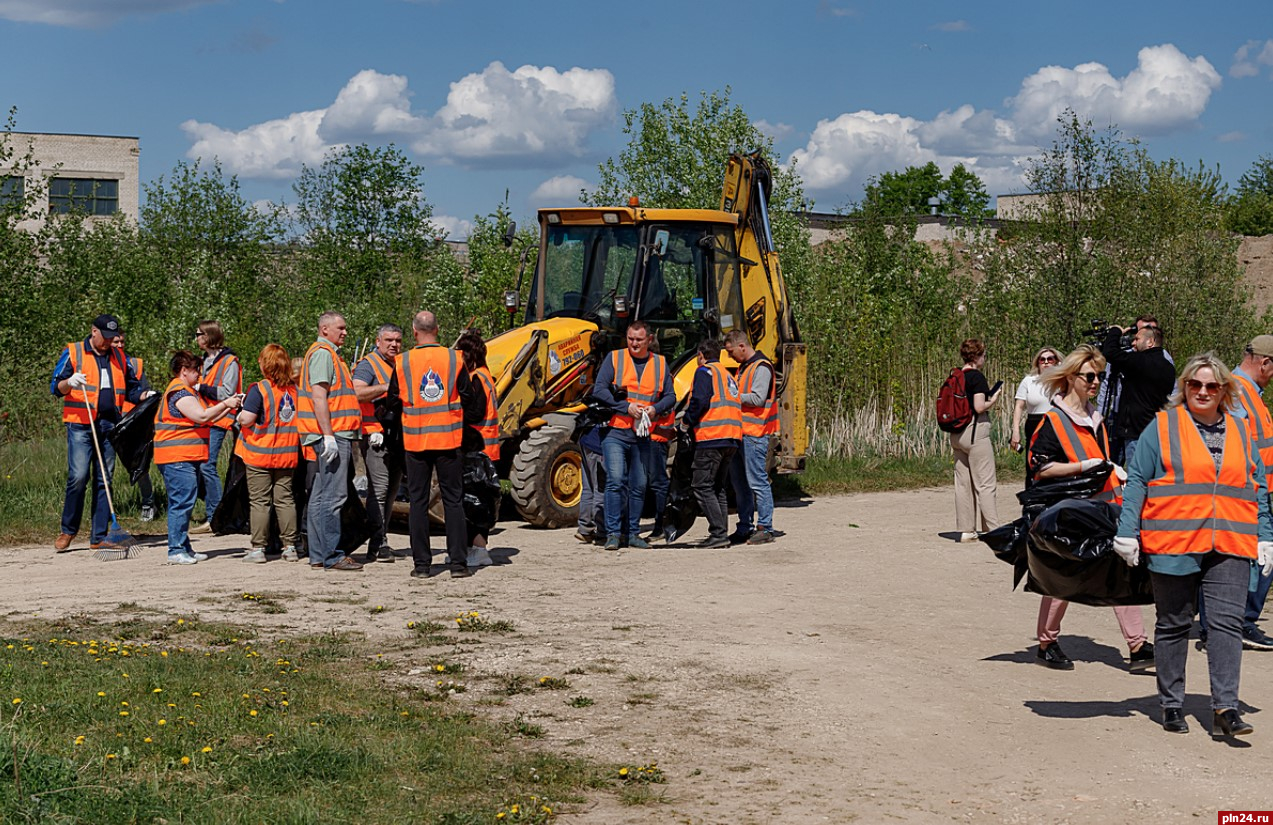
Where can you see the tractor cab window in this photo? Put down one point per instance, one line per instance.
(676, 290)
(584, 269)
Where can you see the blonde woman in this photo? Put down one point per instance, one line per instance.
(1072, 439)
(1197, 504)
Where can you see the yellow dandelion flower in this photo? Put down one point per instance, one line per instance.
(101, 693)
(162, 722)
(148, 740)
(405, 713)
(79, 740)
(163, 653)
(123, 713)
(17, 701)
(440, 668)
(623, 771)
(181, 621)
(196, 693)
(514, 809)
(185, 760)
(284, 703)
(110, 756)
(207, 749)
(500, 815)
(157, 690)
(251, 713)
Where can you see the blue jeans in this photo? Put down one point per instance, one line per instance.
(625, 457)
(182, 482)
(81, 461)
(322, 515)
(211, 480)
(750, 477)
(656, 475)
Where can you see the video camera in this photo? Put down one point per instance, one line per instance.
(1099, 330)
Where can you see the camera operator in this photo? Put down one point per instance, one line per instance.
(1146, 378)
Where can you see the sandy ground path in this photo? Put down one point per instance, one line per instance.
(861, 668)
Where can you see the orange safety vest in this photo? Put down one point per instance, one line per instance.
(641, 390)
(127, 406)
(1192, 508)
(177, 438)
(75, 403)
(384, 371)
(724, 418)
(212, 378)
(273, 440)
(489, 428)
(664, 427)
(432, 417)
(1080, 445)
(758, 421)
(342, 403)
(1260, 423)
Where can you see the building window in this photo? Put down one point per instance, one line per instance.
(12, 189)
(87, 195)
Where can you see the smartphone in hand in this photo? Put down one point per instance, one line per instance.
(998, 385)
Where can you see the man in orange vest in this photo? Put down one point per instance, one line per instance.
(714, 415)
(373, 377)
(94, 381)
(437, 402)
(749, 471)
(643, 384)
(330, 421)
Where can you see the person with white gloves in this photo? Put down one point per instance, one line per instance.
(1070, 440)
(92, 379)
(329, 422)
(1196, 507)
(383, 457)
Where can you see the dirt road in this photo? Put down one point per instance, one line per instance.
(862, 668)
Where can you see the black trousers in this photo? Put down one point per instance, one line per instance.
(450, 469)
(711, 472)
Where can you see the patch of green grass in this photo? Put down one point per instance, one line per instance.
(580, 702)
(526, 729)
(870, 474)
(553, 683)
(511, 684)
(106, 727)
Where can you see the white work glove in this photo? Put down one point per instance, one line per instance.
(1129, 550)
(376, 440)
(1088, 463)
(642, 427)
(1264, 557)
(1120, 472)
(78, 381)
(147, 394)
(329, 451)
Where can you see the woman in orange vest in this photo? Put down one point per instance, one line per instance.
(269, 445)
(181, 448)
(1196, 502)
(484, 437)
(1070, 439)
(220, 377)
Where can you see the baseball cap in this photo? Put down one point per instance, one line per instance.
(1261, 345)
(110, 327)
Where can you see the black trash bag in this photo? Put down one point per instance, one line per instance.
(1043, 494)
(481, 491)
(134, 437)
(1008, 542)
(682, 507)
(234, 513)
(1071, 556)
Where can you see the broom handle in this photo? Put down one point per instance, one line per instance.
(101, 465)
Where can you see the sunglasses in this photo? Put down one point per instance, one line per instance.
(1047, 359)
(1197, 386)
(1090, 377)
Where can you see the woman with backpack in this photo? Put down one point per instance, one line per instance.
(975, 484)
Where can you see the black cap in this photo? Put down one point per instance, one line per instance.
(108, 325)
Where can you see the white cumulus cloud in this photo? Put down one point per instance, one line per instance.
(1167, 91)
(453, 229)
(1250, 56)
(562, 190)
(532, 116)
(88, 13)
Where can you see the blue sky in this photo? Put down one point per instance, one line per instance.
(528, 97)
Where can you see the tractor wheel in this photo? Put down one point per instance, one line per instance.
(547, 478)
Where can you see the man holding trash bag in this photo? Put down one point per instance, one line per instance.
(93, 379)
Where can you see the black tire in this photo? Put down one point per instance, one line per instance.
(546, 477)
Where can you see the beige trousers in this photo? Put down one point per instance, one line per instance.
(272, 489)
(975, 485)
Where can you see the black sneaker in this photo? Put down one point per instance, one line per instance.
(739, 536)
(1201, 644)
(1054, 657)
(422, 573)
(711, 543)
(461, 572)
(1255, 639)
(1142, 659)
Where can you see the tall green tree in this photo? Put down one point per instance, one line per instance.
(909, 192)
(1250, 209)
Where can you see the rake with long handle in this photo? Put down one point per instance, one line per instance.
(120, 543)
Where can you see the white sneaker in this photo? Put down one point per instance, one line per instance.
(289, 554)
(255, 556)
(479, 557)
(182, 558)
(200, 556)
(968, 537)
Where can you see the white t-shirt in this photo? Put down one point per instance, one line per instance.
(1031, 391)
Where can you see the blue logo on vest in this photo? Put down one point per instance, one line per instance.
(431, 388)
(286, 409)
